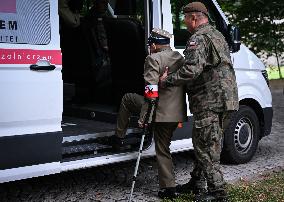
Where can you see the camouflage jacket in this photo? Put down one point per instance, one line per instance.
(207, 72)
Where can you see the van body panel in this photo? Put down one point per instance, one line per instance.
(28, 94)
(27, 150)
(251, 84)
(246, 60)
(176, 146)
(26, 172)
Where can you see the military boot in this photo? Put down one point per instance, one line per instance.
(218, 196)
(168, 193)
(204, 197)
(191, 186)
(116, 142)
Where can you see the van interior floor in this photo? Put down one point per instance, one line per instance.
(87, 129)
(87, 138)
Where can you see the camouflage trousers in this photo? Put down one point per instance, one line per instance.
(207, 142)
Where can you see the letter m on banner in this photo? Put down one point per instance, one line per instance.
(8, 6)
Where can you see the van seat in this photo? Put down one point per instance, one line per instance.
(127, 53)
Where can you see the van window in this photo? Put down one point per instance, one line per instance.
(180, 32)
(25, 22)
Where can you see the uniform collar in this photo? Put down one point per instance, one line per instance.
(201, 27)
(164, 49)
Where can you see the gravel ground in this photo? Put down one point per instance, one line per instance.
(113, 182)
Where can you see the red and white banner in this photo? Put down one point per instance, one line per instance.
(151, 91)
(29, 56)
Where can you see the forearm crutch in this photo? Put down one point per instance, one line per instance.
(145, 129)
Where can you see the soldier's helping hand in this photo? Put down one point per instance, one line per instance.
(141, 124)
(162, 79)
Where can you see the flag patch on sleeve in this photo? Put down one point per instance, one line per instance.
(192, 44)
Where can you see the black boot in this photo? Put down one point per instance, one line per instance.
(116, 142)
(217, 196)
(220, 196)
(190, 186)
(169, 193)
(204, 197)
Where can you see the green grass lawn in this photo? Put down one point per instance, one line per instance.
(273, 72)
(269, 188)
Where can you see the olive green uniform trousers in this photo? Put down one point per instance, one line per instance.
(131, 104)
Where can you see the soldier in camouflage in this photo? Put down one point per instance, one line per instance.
(211, 86)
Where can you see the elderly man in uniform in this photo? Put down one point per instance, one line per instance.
(170, 107)
(211, 86)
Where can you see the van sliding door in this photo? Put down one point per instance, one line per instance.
(30, 67)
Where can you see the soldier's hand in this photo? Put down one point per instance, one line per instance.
(141, 124)
(162, 79)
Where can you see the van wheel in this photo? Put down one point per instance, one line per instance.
(241, 137)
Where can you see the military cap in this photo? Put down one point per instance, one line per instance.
(159, 36)
(195, 7)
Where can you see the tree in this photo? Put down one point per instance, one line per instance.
(261, 24)
(177, 6)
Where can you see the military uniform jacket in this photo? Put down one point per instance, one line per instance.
(171, 102)
(207, 72)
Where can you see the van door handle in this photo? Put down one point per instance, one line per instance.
(42, 65)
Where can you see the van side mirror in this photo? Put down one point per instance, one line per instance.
(235, 38)
(125, 7)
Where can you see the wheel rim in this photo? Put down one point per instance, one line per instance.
(243, 135)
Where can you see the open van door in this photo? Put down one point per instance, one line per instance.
(30, 68)
(31, 89)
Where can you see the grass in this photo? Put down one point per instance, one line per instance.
(269, 188)
(273, 72)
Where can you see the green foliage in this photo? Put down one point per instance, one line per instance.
(257, 20)
(177, 6)
(273, 72)
(270, 188)
(181, 198)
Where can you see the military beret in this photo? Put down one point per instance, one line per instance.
(195, 7)
(159, 36)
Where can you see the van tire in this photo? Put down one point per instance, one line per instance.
(241, 137)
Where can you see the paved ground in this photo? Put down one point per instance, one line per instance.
(112, 183)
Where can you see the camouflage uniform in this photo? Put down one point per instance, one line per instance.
(211, 86)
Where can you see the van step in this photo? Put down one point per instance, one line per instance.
(84, 148)
(97, 113)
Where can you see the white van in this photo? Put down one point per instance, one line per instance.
(43, 131)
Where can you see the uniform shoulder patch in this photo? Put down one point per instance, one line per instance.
(192, 44)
